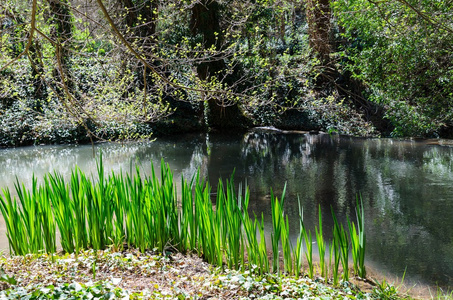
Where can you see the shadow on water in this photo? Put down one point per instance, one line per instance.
(405, 185)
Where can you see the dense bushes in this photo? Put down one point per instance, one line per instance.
(402, 51)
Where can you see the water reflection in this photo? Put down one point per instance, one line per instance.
(406, 185)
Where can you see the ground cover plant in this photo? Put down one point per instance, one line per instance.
(132, 274)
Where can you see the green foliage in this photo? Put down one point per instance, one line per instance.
(321, 246)
(387, 291)
(402, 51)
(98, 290)
(258, 55)
(358, 240)
(342, 242)
(69, 277)
(278, 229)
(262, 47)
(145, 212)
(309, 252)
(297, 251)
(6, 278)
(25, 120)
(334, 116)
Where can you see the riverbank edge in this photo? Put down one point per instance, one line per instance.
(130, 274)
(65, 132)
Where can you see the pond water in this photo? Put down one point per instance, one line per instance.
(406, 185)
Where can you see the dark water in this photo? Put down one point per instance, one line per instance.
(406, 186)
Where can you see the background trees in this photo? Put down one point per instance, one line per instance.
(402, 51)
(116, 68)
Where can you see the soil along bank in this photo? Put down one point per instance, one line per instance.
(131, 274)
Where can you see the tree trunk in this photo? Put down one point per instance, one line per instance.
(37, 71)
(205, 22)
(61, 33)
(318, 18)
(141, 17)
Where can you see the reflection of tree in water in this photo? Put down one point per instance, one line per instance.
(198, 164)
(273, 159)
(266, 154)
(410, 217)
(184, 154)
(311, 165)
(406, 187)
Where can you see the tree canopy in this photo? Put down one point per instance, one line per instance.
(72, 70)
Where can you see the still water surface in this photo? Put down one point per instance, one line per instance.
(406, 186)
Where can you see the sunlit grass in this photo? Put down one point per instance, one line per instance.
(321, 245)
(146, 212)
(277, 224)
(341, 241)
(358, 241)
(297, 251)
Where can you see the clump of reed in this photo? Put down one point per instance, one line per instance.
(145, 212)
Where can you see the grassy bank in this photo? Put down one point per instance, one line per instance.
(132, 274)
